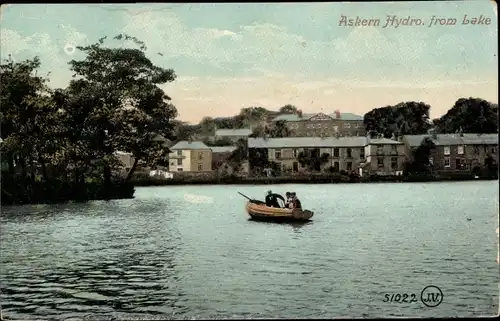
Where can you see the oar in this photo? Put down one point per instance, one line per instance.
(245, 196)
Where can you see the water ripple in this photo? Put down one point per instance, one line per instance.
(164, 256)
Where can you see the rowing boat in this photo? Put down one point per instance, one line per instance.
(259, 211)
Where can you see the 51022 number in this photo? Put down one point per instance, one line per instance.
(400, 297)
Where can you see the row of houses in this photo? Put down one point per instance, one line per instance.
(382, 156)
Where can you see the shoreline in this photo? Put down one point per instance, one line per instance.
(128, 193)
(308, 180)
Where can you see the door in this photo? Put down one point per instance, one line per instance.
(295, 166)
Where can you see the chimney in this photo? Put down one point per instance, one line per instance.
(337, 114)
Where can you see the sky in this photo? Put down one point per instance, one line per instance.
(231, 56)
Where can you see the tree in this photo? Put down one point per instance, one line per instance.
(240, 154)
(288, 109)
(22, 112)
(407, 118)
(469, 115)
(183, 130)
(312, 159)
(420, 164)
(128, 108)
(279, 129)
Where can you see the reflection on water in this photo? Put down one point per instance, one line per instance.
(166, 255)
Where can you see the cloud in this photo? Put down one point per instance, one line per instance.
(54, 53)
(274, 47)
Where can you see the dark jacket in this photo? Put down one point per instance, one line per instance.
(272, 200)
(297, 204)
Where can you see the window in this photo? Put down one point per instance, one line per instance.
(336, 152)
(380, 162)
(347, 125)
(394, 162)
(179, 153)
(362, 153)
(271, 154)
(476, 150)
(458, 163)
(172, 163)
(200, 156)
(295, 153)
(179, 169)
(179, 162)
(277, 154)
(394, 148)
(349, 166)
(447, 150)
(349, 152)
(336, 166)
(380, 149)
(493, 150)
(446, 162)
(460, 149)
(200, 167)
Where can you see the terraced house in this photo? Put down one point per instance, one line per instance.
(345, 153)
(323, 125)
(457, 152)
(187, 156)
(384, 157)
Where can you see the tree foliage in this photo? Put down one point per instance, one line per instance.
(312, 159)
(70, 136)
(469, 115)
(420, 163)
(407, 118)
(277, 130)
(288, 109)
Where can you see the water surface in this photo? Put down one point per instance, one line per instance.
(191, 252)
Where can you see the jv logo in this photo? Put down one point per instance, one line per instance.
(431, 296)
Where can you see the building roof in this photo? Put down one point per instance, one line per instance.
(383, 141)
(454, 139)
(233, 132)
(306, 116)
(307, 142)
(223, 149)
(184, 144)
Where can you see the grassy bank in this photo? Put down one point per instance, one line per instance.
(311, 179)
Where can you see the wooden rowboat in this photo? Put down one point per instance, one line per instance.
(259, 211)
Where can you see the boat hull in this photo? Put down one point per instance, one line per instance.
(262, 212)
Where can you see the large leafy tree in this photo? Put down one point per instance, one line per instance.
(126, 107)
(30, 127)
(406, 118)
(421, 157)
(469, 115)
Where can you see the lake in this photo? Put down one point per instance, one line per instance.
(188, 252)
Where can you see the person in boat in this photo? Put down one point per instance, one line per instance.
(296, 202)
(272, 199)
(289, 202)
